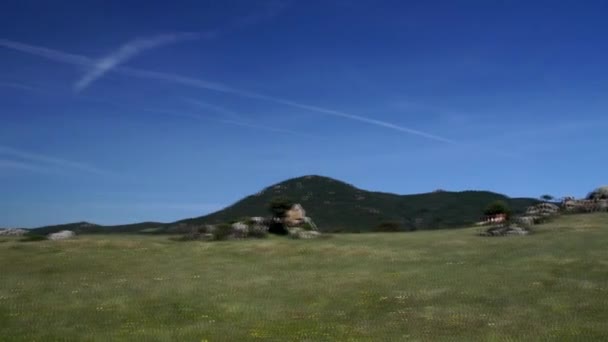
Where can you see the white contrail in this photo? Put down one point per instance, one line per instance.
(267, 128)
(54, 55)
(52, 160)
(128, 51)
(232, 122)
(202, 84)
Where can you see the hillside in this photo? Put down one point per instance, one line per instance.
(91, 228)
(338, 207)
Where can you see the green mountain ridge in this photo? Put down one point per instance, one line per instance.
(336, 206)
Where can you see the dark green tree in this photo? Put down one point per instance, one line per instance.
(547, 198)
(278, 206)
(496, 208)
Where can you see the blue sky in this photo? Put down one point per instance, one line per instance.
(118, 112)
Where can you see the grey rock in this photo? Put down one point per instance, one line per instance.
(258, 230)
(12, 232)
(505, 230)
(599, 193)
(62, 235)
(240, 230)
(300, 233)
(525, 221)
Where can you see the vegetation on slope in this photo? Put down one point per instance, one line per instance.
(340, 207)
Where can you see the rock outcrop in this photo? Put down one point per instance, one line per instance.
(62, 235)
(542, 210)
(12, 232)
(295, 216)
(505, 230)
(600, 193)
(597, 200)
(300, 233)
(240, 230)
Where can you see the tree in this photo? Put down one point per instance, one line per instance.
(496, 208)
(547, 198)
(278, 206)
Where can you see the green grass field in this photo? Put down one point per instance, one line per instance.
(430, 285)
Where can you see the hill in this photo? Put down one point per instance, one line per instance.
(337, 206)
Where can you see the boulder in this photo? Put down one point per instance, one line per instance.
(240, 230)
(525, 221)
(295, 216)
(257, 219)
(505, 230)
(209, 228)
(258, 230)
(301, 233)
(570, 205)
(62, 235)
(515, 230)
(543, 210)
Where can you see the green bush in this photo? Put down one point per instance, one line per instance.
(222, 231)
(257, 231)
(496, 208)
(278, 206)
(33, 238)
(307, 226)
(388, 227)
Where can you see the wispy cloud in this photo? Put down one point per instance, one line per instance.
(203, 84)
(47, 161)
(127, 52)
(270, 10)
(12, 164)
(19, 86)
(209, 106)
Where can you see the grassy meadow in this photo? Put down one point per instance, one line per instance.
(428, 285)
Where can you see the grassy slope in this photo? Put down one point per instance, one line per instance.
(364, 287)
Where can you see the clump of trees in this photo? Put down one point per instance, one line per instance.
(547, 198)
(498, 208)
(278, 208)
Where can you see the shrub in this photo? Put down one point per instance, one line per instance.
(388, 227)
(307, 226)
(258, 231)
(496, 208)
(278, 206)
(278, 228)
(222, 231)
(33, 238)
